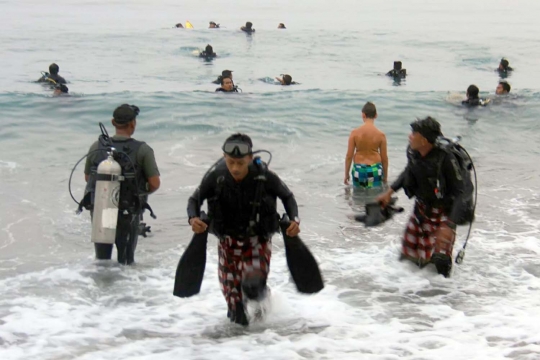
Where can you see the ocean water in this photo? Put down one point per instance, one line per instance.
(57, 302)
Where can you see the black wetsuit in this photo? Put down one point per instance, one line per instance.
(246, 30)
(419, 179)
(475, 102)
(230, 202)
(220, 89)
(397, 73)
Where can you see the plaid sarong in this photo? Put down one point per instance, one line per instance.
(419, 242)
(367, 176)
(239, 260)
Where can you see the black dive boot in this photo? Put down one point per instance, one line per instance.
(443, 263)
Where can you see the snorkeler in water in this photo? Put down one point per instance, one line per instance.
(286, 80)
(473, 99)
(208, 52)
(397, 71)
(248, 28)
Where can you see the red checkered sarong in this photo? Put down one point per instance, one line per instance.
(419, 241)
(239, 260)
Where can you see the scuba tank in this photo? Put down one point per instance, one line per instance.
(108, 177)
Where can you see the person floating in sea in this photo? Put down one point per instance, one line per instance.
(241, 194)
(141, 178)
(179, 26)
(213, 25)
(281, 26)
(227, 85)
(248, 28)
(397, 71)
(504, 68)
(503, 88)
(53, 75)
(208, 53)
(473, 98)
(367, 147)
(286, 79)
(433, 177)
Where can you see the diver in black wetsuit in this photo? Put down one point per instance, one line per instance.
(281, 26)
(504, 67)
(397, 71)
(248, 28)
(472, 97)
(242, 195)
(208, 53)
(52, 75)
(227, 85)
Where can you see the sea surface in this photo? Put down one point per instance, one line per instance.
(57, 302)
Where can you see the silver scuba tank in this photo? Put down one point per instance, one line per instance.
(106, 199)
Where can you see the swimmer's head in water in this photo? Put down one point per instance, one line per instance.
(281, 26)
(369, 110)
(227, 73)
(54, 69)
(397, 65)
(503, 65)
(249, 25)
(423, 130)
(209, 50)
(287, 79)
(227, 84)
(213, 25)
(472, 92)
(179, 25)
(503, 88)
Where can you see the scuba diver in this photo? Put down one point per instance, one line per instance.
(248, 28)
(179, 26)
(442, 186)
(208, 52)
(473, 99)
(52, 75)
(137, 168)
(281, 26)
(224, 73)
(367, 146)
(503, 88)
(241, 194)
(397, 71)
(227, 85)
(213, 25)
(504, 67)
(286, 80)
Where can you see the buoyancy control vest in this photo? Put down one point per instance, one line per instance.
(263, 218)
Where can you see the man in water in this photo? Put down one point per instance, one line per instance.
(503, 88)
(472, 97)
(227, 85)
(432, 176)
(367, 146)
(504, 67)
(53, 75)
(397, 71)
(286, 80)
(208, 52)
(281, 26)
(60, 89)
(132, 202)
(245, 236)
(248, 28)
(179, 26)
(224, 73)
(213, 25)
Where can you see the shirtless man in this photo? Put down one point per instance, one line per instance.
(367, 145)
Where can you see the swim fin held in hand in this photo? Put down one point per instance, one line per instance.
(376, 215)
(190, 270)
(302, 265)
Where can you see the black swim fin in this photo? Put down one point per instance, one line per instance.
(190, 270)
(375, 215)
(302, 265)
